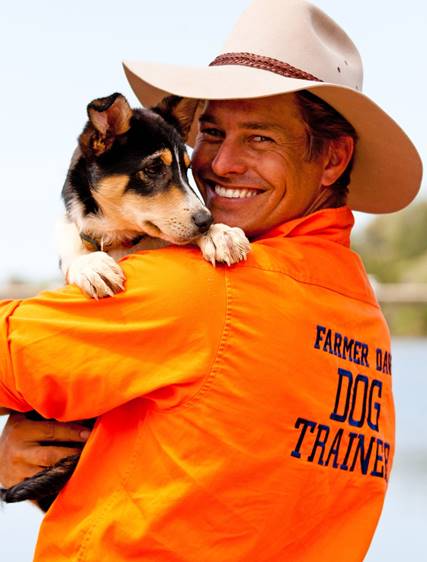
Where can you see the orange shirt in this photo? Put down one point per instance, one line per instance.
(245, 413)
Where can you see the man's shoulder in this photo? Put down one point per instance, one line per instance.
(177, 259)
(178, 274)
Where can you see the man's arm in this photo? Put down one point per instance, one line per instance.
(70, 357)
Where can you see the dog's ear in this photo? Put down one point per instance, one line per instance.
(108, 118)
(179, 112)
(110, 115)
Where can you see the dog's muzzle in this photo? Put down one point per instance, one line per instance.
(202, 219)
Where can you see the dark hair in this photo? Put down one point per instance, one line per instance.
(324, 124)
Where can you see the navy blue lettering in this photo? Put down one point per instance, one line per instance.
(387, 363)
(386, 458)
(335, 448)
(327, 346)
(356, 350)
(364, 358)
(364, 459)
(378, 457)
(337, 344)
(336, 416)
(341, 346)
(319, 336)
(383, 361)
(306, 424)
(320, 443)
(348, 348)
(344, 465)
(379, 357)
(360, 379)
(373, 424)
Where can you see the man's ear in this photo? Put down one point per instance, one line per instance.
(108, 118)
(178, 112)
(338, 156)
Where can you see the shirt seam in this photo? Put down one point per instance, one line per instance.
(349, 294)
(207, 380)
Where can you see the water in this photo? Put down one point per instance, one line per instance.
(402, 532)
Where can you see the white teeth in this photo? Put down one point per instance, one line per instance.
(234, 193)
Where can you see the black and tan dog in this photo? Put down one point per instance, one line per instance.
(127, 190)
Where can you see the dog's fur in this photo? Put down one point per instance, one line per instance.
(127, 190)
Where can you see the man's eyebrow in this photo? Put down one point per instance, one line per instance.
(253, 125)
(261, 125)
(207, 117)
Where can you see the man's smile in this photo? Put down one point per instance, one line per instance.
(231, 193)
(218, 191)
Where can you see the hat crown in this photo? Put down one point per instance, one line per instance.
(298, 33)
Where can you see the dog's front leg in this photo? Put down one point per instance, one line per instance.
(96, 273)
(224, 244)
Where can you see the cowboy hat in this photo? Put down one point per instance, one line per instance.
(282, 46)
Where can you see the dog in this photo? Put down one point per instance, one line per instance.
(127, 190)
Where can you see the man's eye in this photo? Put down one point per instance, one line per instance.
(211, 132)
(261, 138)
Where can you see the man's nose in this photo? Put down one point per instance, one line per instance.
(229, 159)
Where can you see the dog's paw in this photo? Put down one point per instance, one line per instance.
(224, 244)
(96, 274)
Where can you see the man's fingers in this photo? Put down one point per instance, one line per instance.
(58, 431)
(43, 456)
(22, 453)
(35, 431)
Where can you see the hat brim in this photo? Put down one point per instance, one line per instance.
(387, 169)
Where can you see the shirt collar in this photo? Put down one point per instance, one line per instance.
(331, 224)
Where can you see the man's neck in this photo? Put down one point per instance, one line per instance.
(327, 198)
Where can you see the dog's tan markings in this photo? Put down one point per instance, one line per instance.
(98, 145)
(166, 214)
(187, 160)
(163, 205)
(166, 156)
(109, 191)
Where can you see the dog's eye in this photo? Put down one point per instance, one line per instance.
(153, 168)
(141, 183)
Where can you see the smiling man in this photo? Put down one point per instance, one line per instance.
(242, 415)
(252, 165)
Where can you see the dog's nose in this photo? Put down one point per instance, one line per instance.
(202, 219)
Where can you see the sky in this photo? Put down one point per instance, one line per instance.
(57, 56)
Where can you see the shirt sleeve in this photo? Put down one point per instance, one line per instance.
(70, 357)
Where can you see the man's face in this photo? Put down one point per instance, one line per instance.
(249, 162)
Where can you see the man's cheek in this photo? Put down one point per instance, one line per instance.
(199, 184)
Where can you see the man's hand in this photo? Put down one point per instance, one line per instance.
(27, 446)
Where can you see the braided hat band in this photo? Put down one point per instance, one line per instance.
(263, 63)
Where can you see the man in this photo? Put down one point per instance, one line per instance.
(244, 414)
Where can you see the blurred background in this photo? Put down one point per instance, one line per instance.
(57, 56)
